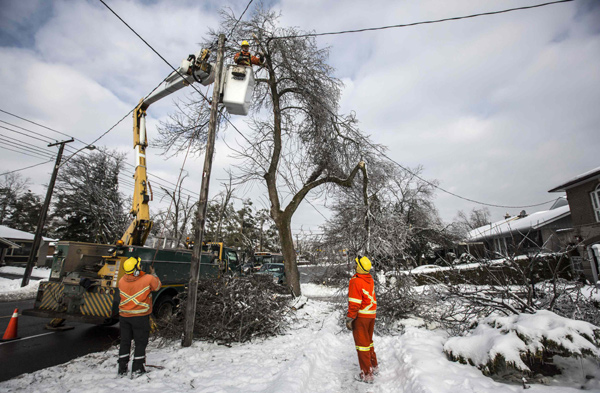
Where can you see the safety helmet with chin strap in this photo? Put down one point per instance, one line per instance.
(132, 265)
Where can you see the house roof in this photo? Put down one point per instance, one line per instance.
(8, 243)
(15, 234)
(577, 180)
(516, 224)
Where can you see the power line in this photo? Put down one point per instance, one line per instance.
(72, 150)
(329, 110)
(48, 139)
(20, 144)
(239, 19)
(29, 136)
(27, 167)
(419, 23)
(37, 124)
(173, 68)
(21, 152)
(114, 126)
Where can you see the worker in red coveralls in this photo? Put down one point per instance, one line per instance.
(362, 307)
(245, 58)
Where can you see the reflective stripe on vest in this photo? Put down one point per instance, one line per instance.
(354, 300)
(367, 310)
(145, 307)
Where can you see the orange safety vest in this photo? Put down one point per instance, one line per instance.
(245, 59)
(361, 297)
(136, 294)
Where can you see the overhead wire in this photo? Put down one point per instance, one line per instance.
(173, 68)
(21, 152)
(239, 19)
(27, 167)
(355, 31)
(419, 23)
(14, 142)
(161, 181)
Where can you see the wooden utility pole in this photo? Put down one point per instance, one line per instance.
(43, 213)
(190, 308)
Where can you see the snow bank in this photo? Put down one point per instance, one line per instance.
(10, 288)
(316, 355)
(315, 290)
(37, 272)
(515, 337)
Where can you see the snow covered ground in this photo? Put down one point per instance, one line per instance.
(315, 355)
(10, 288)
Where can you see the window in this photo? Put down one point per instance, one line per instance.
(596, 202)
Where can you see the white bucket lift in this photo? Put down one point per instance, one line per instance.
(237, 88)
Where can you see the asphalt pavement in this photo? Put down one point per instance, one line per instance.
(39, 348)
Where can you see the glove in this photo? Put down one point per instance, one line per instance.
(349, 322)
(261, 57)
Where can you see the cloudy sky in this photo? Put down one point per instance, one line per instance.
(498, 109)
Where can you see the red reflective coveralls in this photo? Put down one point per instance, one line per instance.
(362, 305)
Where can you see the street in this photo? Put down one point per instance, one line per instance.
(39, 348)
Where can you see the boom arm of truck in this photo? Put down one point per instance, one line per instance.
(193, 69)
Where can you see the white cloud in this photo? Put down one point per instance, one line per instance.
(499, 109)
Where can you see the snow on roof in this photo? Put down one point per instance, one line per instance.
(8, 243)
(516, 224)
(577, 179)
(15, 234)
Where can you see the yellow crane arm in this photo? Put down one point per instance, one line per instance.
(193, 69)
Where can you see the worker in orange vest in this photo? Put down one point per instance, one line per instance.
(245, 58)
(136, 289)
(362, 307)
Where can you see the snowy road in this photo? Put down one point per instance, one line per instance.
(39, 348)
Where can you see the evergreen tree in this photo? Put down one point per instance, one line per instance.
(89, 206)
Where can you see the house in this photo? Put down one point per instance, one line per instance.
(526, 234)
(583, 195)
(23, 241)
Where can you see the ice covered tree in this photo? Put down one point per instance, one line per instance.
(403, 222)
(466, 222)
(89, 205)
(175, 221)
(19, 207)
(298, 144)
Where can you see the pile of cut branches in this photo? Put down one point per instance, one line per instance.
(232, 309)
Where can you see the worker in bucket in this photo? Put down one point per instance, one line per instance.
(362, 307)
(244, 57)
(136, 289)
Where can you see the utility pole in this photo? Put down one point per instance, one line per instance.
(298, 245)
(190, 308)
(43, 213)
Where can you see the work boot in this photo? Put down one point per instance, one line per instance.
(138, 367)
(122, 370)
(367, 378)
(375, 370)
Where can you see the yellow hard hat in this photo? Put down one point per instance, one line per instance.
(363, 264)
(245, 43)
(132, 264)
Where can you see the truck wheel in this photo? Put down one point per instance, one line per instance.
(164, 307)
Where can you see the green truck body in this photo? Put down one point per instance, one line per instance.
(83, 283)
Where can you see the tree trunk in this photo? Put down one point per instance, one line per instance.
(289, 255)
